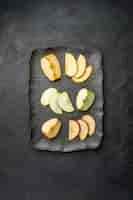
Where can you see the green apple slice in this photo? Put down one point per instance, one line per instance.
(85, 99)
(89, 101)
(54, 103)
(81, 98)
(65, 102)
(46, 96)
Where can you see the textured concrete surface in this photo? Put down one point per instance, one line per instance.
(103, 174)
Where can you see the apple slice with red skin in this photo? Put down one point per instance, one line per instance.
(91, 123)
(83, 133)
(74, 129)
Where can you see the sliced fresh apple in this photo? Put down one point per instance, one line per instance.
(54, 103)
(89, 101)
(91, 123)
(51, 128)
(73, 130)
(84, 99)
(70, 65)
(47, 70)
(83, 129)
(81, 63)
(65, 102)
(46, 96)
(55, 65)
(81, 98)
(85, 76)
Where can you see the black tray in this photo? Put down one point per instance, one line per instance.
(38, 114)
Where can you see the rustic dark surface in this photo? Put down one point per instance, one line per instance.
(104, 174)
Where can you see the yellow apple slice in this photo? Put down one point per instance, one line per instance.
(83, 129)
(85, 76)
(91, 123)
(51, 128)
(70, 65)
(55, 65)
(47, 70)
(81, 63)
(73, 130)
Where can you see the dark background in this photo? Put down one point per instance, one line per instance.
(104, 174)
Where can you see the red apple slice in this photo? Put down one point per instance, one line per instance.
(83, 129)
(91, 123)
(73, 130)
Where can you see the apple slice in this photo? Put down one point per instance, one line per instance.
(89, 101)
(91, 123)
(85, 76)
(51, 128)
(46, 96)
(55, 65)
(54, 103)
(81, 98)
(73, 130)
(84, 99)
(81, 63)
(70, 65)
(83, 129)
(47, 70)
(65, 102)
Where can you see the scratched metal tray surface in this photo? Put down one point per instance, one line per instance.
(38, 83)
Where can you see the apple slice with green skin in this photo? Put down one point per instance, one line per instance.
(47, 69)
(51, 128)
(85, 76)
(55, 65)
(65, 102)
(73, 130)
(81, 63)
(84, 99)
(91, 123)
(70, 65)
(83, 129)
(46, 96)
(89, 102)
(54, 103)
(81, 98)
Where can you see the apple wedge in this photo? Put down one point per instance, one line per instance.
(81, 98)
(89, 101)
(81, 63)
(47, 69)
(84, 99)
(83, 129)
(46, 96)
(55, 65)
(73, 130)
(91, 123)
(70, 65)
(54, 103)
(51, 128)
(65, 102)
(85, 76)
